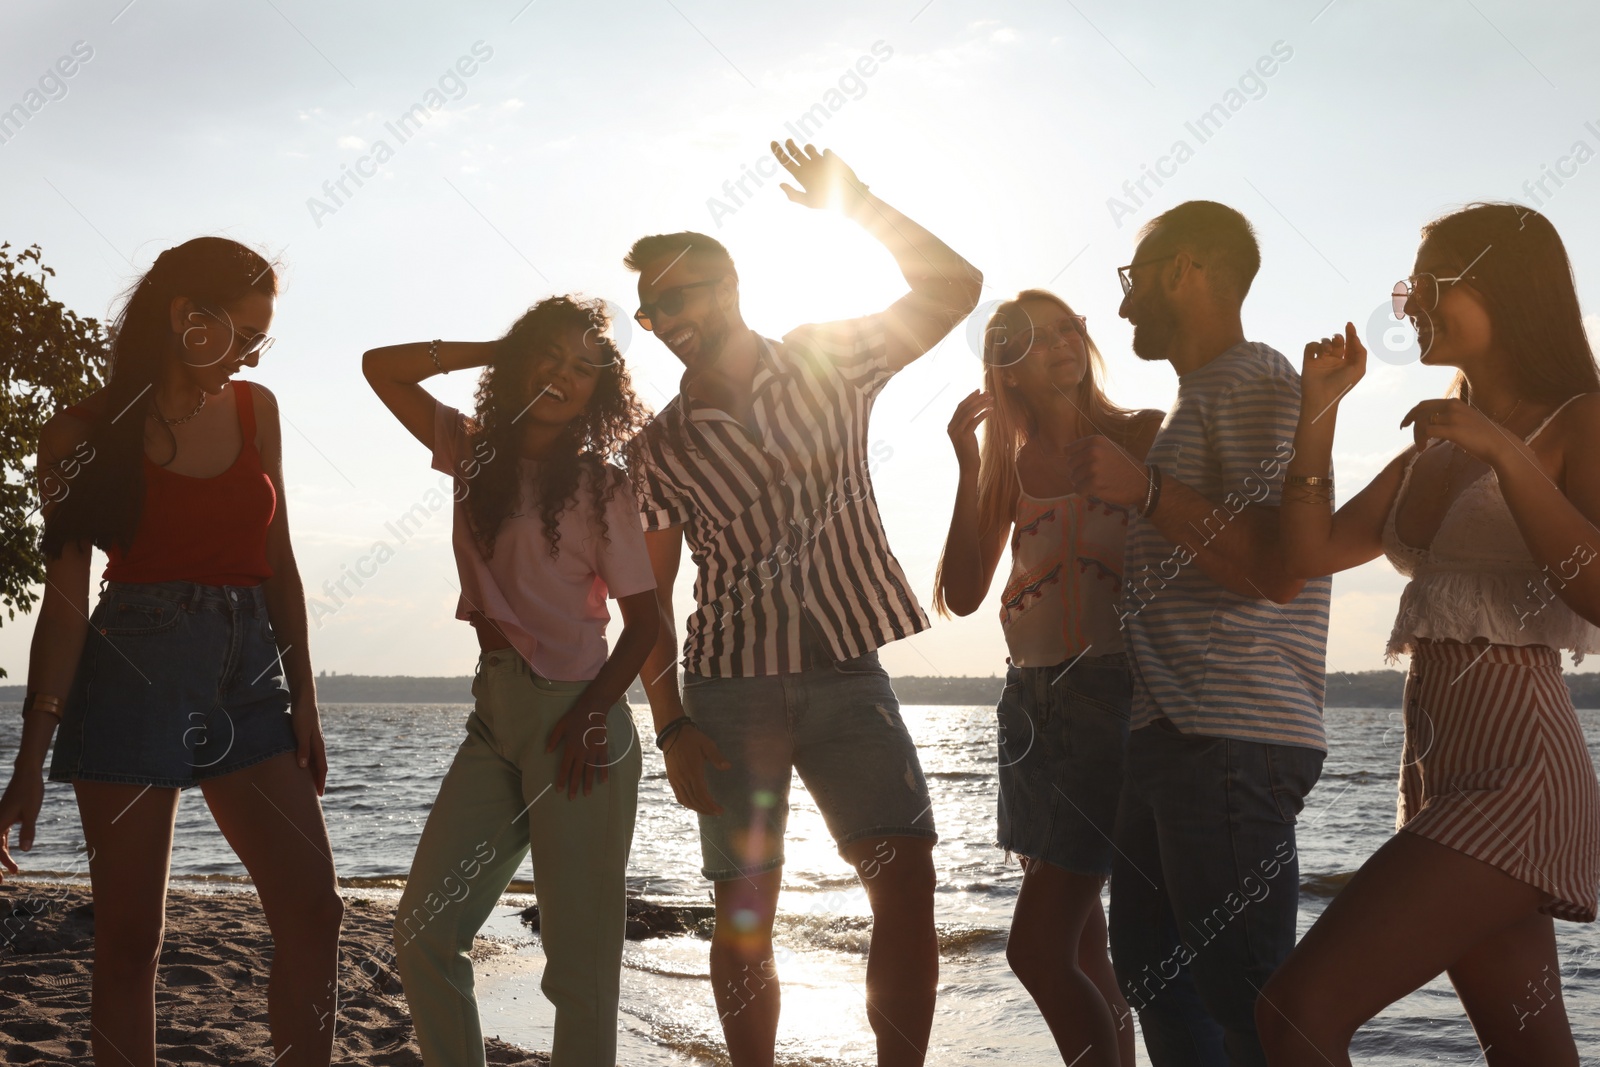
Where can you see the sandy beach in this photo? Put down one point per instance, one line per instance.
(211, 989)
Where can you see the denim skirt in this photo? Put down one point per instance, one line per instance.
(178, 682)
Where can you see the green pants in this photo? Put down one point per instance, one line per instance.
(497, 802)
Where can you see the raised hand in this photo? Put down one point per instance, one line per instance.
(825, 179)
(963, 429)
(1456, 421)
(1331, 368)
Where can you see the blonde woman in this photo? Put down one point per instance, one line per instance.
(1063, 717)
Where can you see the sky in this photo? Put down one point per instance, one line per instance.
(426, 170)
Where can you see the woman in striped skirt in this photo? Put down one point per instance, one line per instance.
(1491, 515)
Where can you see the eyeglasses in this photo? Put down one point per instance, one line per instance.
(1125, 274)
(1421, 291)
(253, 345)
(669, 302)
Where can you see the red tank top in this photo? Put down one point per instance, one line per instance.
(207, 530)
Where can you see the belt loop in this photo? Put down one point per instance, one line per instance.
(193, 600)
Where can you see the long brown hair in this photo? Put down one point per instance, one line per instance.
(108, 496)
(1520, 268)
(590, 442)
(1011, 421)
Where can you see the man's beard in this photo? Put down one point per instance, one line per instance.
(1156, 330)
(713, 339)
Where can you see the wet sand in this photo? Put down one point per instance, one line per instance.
(211, 986)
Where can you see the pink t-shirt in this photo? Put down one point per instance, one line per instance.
(553, 611)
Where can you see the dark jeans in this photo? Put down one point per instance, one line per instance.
(1205, 887)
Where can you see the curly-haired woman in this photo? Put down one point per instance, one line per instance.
(545, 529)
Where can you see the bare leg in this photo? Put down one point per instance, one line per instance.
(128, 830)
(744, 976)
(1054, 910)
(1094, 960)
(270, 814)
(1510, 984)
(903, 960)
(1414, 909)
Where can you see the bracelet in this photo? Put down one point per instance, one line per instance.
(671, 728)
(1307, 479)
(433, 354)
(48, 704)
(1153, 493)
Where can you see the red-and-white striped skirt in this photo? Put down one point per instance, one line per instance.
(1494, 765)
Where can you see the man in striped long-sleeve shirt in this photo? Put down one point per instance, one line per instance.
(1228, 652)
(762, 463)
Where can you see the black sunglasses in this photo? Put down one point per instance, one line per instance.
(669, 302)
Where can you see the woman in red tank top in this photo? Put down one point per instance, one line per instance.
(192, 669)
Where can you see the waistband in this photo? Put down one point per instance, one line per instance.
(191, 596)
(1430, 651)
(511, 658)
(1112, 659)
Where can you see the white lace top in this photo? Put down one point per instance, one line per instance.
(1478, 579)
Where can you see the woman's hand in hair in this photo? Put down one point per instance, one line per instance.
(1330, 368)
(963, 428)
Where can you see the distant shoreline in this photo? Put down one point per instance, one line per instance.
(1363, 689)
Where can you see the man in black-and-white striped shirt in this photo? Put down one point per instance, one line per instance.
(762, 463)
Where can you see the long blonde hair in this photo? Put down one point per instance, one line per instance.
(1010, 421)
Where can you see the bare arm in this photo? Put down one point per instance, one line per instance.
(1241, 551)
(58, 637)
(394, 371)
(586, 754)
(689, 750)
(1236, 542)
(1317, 540)
(944, 287)
(1558, 526)
(971, 554)
(286, 600)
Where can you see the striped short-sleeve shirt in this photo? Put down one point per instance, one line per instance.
(779, 515)
(1214, 662)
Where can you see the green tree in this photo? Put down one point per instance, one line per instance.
(49, 358)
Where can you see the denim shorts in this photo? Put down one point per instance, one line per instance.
(839, 726)
(1063, 736)
(178, 682)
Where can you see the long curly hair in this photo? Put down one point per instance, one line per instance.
(588, 447)
(104, 508)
